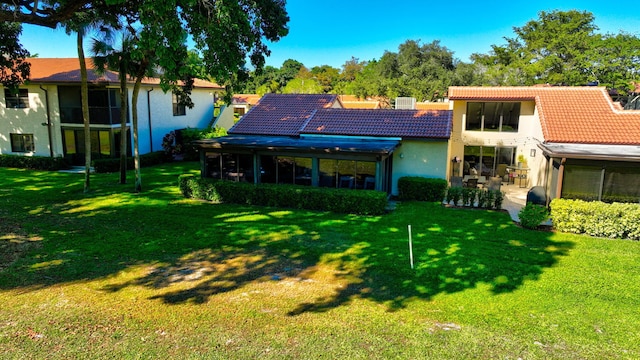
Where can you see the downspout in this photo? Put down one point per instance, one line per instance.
(149, 116)
(48, 123)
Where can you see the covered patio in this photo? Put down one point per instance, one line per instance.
(324, 161)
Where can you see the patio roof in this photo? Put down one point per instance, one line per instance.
(315, 144)
(592, 151)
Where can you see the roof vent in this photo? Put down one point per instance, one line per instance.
(405, 103)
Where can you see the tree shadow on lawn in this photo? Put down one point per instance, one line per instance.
(369, 256)
(194, 251)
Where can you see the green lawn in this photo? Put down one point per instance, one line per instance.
(119, 275)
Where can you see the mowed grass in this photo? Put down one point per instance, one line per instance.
(114, 274)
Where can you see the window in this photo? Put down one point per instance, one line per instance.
(22, 143)
(19, 100)
(493, 116)
(178, 109)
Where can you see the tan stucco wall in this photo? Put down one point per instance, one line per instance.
(528, 137)
(419, 158)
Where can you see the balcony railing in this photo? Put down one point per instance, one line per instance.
(97, 115)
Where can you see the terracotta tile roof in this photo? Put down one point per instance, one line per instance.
(250, 99)
(67, 70)
(281, 114)
(567, 114)
(381, 122)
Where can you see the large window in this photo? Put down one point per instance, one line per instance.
(285, 170)
(234, 167)
(16, 100)
(104, 105)
(349, 174)
(488, 160)
(599, 180)
(179, 109)
(22, 143)
(493, 116)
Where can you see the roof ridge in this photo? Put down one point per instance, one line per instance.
(306, 122)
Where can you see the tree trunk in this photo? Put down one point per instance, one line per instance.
(84, 92)
(123, 123)
(134, 125)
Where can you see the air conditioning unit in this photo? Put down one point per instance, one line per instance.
(405, 103)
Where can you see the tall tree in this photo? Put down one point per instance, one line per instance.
(14, 68)
(106, 55)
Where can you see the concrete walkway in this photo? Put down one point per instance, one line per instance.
(514, 200)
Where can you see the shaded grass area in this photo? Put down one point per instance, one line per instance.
(118, 274)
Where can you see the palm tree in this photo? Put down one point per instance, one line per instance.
(106, 56)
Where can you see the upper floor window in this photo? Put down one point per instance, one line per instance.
(22, 143)
(178, 108)
(493, 116)
(16, 100)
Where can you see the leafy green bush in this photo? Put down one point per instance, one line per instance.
(109, 165)
(421, 189)
(595, 218)
(364, 202)
(532, 215)
(34, 162)
(454, 194)
(187, 136)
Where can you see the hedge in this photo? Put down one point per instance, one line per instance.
(34, 162)
(595, 218)
(361, 202)
(110, 165)
(421, 189)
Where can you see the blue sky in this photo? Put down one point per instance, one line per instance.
(331, 32)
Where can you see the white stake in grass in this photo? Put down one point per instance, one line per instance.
(410, 247)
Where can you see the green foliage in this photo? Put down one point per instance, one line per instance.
(421, 189)
(532, 215)
(188, 135)
(14, 67)
(365, 202)
(454, 194)
(110, 165)
(34, 162)
(595, 218)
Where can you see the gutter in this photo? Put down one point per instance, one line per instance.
(48, 123)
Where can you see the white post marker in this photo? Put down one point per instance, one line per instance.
(410, 247)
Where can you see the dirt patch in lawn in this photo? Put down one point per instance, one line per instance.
(14, 242)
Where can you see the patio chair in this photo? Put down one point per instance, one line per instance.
(369, 183)
(456, 181)
(493, 183)
(346, 182)
(471, 183)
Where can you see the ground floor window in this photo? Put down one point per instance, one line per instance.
(349, 174)
(606, 181)
(105, 143)
(22, 143)
(234, 167)
(488, 160)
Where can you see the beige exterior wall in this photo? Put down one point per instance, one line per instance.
(527, 138)
(420, 158)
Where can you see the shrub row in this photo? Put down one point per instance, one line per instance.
(481, 198)
(110, 165)
(595, 218)
(34, 162)
(421, 189)
(362, 202)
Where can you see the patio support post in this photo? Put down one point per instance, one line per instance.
(256, 168)
(203, 163)
(560, 178)
(379, 175)
(315, 172)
